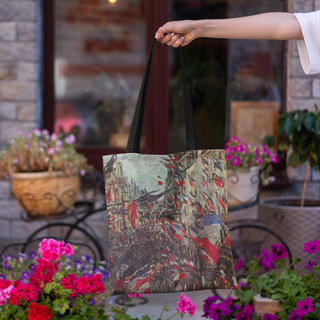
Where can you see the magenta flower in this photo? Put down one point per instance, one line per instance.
(312, 247)
(258, 160)
(311, 263)
(242, 284)
(256, 151)
(304, 307)
(239, 264)
(228, 157)
(266, 260)
(217, 310)
(207, 303)
(235, 162)
(228, 150)
(294, 316)
(245, 313)
(274, 158)
(50, 150)
(268, 316)
(239, 148)
(318, 277)
(278, 252)
(185, 305)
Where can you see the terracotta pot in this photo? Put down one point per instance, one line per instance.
(44, 193)
(242, 186)
(265, 305)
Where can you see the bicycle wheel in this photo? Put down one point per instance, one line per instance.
(247, 241)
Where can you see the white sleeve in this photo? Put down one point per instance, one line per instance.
(309, 48)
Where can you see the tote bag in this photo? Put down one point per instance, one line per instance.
(167, 213)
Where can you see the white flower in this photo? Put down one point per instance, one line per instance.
(15, 160)
(41, 149)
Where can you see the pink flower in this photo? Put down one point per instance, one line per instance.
(268, 316)
(228, 157)
(185, 305)
(278, 252)
(191, 309)
(26, 145)
(274, 158)
(256, 151)
(312, 263)
(258, 160)
(304, 307)
(28, 135)
(239, 148)
(50, 150)
(234, 139)
(69, 250)
(54, 137)
(228, 150)
(135, 295)
(70, 139)
(37, 132)
(312, 247)
(58, 143)
(239, 264)
(235, 162)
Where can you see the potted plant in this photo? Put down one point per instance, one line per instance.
(44, 171)
(271, 289)
(56, 286)
(298, 132)
(246, 166)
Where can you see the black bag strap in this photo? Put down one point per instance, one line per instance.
(133, 145)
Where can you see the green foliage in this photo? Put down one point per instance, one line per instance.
(300, 130)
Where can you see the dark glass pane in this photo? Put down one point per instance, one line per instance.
(99, 63)
(221, 71)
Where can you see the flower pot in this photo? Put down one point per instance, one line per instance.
(242, 185)
(296, 225)
(265, 305)
(44, 193)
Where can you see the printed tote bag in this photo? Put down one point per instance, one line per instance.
(167, 213)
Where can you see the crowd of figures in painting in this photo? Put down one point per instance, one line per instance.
(170, 236)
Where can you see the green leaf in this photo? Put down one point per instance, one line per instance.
(277, 296)
(60, 305)
(289, 125)
(301, 117)
(145, 318)
(287, 284)
(283, 146)
(293, 159)
(310, 121)
(316, 107)
(49, 287)
(248, 296)
(318, 125)
(269, 141)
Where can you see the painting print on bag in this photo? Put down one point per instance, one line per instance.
(166, 227)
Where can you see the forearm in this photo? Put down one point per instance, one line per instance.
(274, 26)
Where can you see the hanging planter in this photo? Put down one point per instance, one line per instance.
(242, 185)
(44, 193)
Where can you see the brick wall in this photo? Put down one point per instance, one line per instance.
(18, 66)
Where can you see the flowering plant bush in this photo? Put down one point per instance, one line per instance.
(54, 285)
(240, 155)
(38, 151)
(51, 287)
(271, 276)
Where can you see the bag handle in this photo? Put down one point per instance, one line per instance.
(133, 145)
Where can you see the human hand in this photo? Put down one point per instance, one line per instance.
(178, 33)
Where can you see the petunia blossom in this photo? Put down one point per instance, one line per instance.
(239, 264)
(278, 252)
(304, 307)
(312, 246)
(268, 316)
(294, 316)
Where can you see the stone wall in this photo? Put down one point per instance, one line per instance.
(18, 66)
